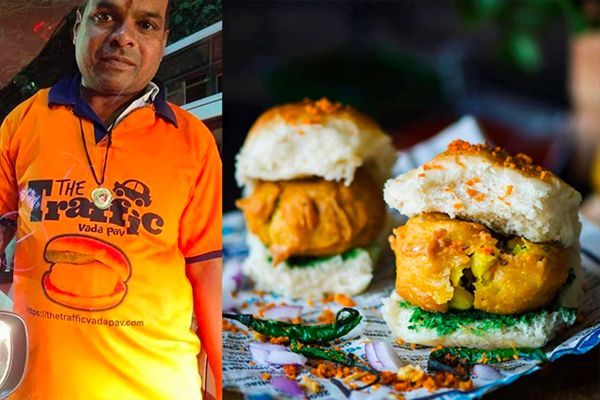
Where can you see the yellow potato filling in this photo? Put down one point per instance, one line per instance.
(444, 263)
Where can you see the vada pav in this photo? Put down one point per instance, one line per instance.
(313, 173)
(490, 255)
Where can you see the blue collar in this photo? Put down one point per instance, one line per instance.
(66, 92)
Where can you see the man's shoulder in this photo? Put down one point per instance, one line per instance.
(184, 117)
(190, 125)
(32, 104)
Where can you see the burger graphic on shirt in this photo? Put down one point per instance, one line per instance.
(85, 273)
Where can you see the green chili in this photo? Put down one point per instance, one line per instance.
(456, 359)
(475, 356)
(346, 319)
(336, 356)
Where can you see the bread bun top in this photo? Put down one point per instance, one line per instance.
(313, 138)
(78, 249)
(509, 194)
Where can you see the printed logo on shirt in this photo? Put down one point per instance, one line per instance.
(55, 199)
(85, 273)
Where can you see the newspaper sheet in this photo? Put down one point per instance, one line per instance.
(241, 374)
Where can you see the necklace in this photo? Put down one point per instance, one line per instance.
(101, 196)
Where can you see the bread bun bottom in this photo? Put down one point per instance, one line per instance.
(349, 275)
(535, 332)
(86, 303)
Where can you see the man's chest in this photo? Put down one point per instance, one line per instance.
(147, 175)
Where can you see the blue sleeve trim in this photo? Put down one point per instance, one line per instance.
(204, 257)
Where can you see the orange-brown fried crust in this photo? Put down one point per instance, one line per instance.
(431, 248)
(314, 217)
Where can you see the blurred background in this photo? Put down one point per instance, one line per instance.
(528, 70)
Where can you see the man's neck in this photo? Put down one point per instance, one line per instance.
(107, 107)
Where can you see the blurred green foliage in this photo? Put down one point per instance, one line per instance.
(189, 16)
(521, 22)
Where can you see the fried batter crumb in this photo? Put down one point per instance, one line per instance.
(229, 327)
(266, 376)
(326, 317)
(291, 370)
(260, 337)
(499, 156)
(280, 340)
(310, 386)
(476, 195)
(327, 298)
(419, 379)
(410, 377)
(344, 300)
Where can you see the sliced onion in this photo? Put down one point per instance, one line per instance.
(486, 372)
(279, 357)
(383, 357)
(388, 357)
(287, 385)
(260, 351)
(283, 312)
(372, 357)
(259, 355)
(269, 347)
(275, 354)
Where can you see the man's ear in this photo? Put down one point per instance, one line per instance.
(165, 38)
(76, 25)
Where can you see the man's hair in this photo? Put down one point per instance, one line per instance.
(83, 5)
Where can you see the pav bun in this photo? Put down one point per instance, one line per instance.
(535, 331)
(479, 183)
(85, 273)
(489, 257)
(313, 138)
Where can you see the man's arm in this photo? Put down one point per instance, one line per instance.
(205, 277)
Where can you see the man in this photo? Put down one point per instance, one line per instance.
(118, 232)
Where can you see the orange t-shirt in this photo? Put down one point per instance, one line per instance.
(104, 292)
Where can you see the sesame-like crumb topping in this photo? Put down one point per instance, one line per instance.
(307, 114)
(313, 111)
(499, 156)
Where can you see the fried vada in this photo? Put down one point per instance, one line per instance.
(312, 173)
(489, 257)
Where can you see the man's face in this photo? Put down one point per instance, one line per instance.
(119, 44)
